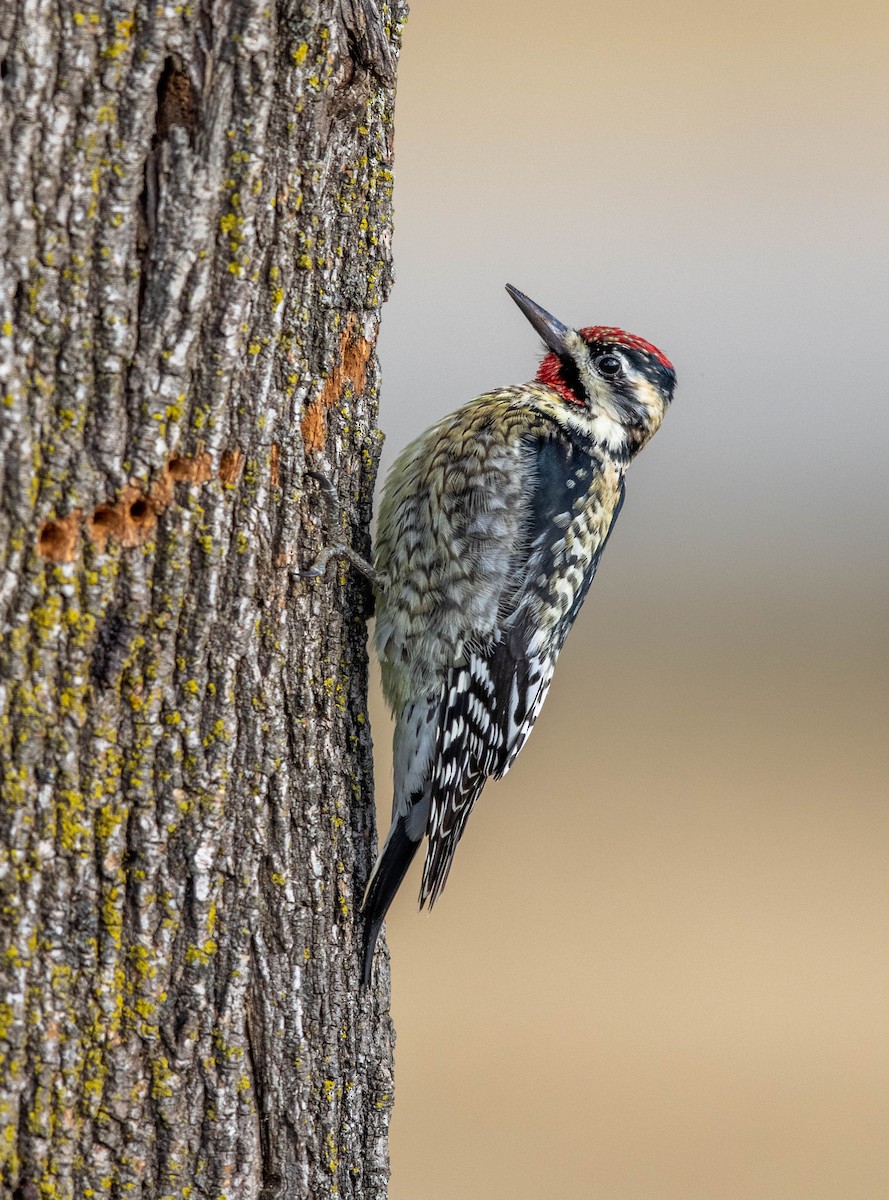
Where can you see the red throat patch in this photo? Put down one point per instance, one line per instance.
(550, 372)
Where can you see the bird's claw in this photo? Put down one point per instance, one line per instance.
(319, 567)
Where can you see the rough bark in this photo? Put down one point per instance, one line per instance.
(194, 245)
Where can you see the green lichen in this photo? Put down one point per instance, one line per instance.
(162, 1078)
(112, 914)
(201, 955)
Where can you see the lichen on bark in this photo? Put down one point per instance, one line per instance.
(195, 218)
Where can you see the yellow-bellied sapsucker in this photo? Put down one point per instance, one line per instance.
(491, 527)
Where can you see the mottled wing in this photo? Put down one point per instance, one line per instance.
(493, 698)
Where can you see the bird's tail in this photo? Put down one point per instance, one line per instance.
(385, 880)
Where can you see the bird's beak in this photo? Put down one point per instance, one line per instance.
(552, 331)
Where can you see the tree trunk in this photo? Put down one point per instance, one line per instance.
(194, 246)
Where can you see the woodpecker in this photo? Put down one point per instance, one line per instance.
(490, 530)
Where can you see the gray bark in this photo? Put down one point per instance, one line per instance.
(194, 246)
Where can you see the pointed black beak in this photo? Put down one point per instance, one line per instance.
(552, 331)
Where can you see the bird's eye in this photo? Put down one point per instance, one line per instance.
(609, 365)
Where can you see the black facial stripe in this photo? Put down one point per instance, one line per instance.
(571, 376)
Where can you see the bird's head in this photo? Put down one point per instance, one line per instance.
(619, 385)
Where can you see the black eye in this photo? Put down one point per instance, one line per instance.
(609, 365)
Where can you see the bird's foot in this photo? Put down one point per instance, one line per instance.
(335, 550)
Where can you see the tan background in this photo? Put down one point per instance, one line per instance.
(661, 966)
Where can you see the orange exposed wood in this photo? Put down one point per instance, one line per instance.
(230, 466)
(352, 368)
(57, 540)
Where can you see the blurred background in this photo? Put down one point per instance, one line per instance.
(661, 966)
